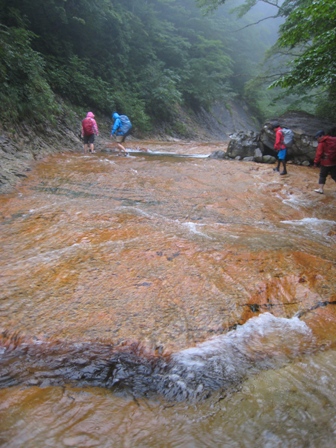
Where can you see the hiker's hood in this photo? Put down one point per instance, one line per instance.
(90, 115)
(319, 134)
(115, 115)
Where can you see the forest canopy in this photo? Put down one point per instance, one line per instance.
(145, 58)
(308, 39)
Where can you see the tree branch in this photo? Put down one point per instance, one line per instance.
(256, 23)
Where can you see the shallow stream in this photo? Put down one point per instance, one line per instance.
(167, 300)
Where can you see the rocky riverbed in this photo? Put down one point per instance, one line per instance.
(165, 251)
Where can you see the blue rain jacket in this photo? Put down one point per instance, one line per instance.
(121, 125)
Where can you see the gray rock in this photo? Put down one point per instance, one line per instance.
(218, 155)
(268, 159)
(243, 144)
(260, 146)
(258, 155)
(304, 127)
(22, 146)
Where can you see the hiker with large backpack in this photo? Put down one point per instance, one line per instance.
(121, 129)
(325, 157)
(89, 130)
(283, 139)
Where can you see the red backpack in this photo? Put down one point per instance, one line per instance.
(88, 126)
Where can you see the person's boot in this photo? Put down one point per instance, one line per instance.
(277, 167)
(284, 170)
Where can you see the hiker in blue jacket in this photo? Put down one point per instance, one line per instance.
(121, 129)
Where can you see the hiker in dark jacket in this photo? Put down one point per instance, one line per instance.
(325, 157)
(121, 129)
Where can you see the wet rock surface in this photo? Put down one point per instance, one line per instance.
(161, 254)
(193, 374)
(21, 146)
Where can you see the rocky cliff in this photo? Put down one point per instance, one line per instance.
(23, 144)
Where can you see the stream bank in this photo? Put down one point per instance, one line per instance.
(21, 145)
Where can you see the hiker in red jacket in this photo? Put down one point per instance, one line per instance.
(325, 157)
(89, 130)
(281, 149)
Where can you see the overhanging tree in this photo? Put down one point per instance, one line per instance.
(310, 30)
(311, 27)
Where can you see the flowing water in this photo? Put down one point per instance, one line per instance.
(166, 299)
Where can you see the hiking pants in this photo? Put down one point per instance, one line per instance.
(324, 171)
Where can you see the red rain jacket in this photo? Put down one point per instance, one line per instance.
(326, 151)
(279, 138)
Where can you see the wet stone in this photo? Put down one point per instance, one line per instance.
(112, 266)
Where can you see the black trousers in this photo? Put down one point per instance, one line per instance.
(324, 171)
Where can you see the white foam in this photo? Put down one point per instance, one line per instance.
(315, 225)
(280, 333)
(192, 227)
(310, 221)
(111, 162)
(296, 202)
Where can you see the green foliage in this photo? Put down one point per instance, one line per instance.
(143, 58)
(325, 107)
(311, 26)
(306, 53)
(116, 54)
(209, 5)
(208, 72)
(22, 78)
(75, 81)
(160, 91)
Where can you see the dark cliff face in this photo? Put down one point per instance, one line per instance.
(217, 124)
(230, 118)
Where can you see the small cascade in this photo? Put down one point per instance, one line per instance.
(222, 363)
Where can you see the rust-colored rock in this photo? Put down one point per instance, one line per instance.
(164, 251)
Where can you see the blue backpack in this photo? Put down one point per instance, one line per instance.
(126, 124)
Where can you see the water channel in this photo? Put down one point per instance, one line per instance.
(166, 299)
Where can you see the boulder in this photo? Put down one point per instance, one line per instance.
(304, 126)
(218, 155)
(258, 155)
(260, 145)
(243, 145)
